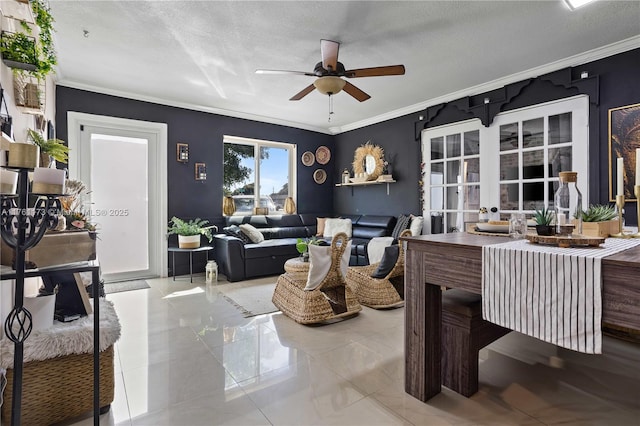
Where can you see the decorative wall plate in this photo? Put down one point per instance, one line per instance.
(308, 159)
(319, 176)
(323, 155)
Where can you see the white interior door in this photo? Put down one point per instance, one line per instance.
(123, 163)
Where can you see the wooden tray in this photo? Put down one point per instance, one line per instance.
(566, 241)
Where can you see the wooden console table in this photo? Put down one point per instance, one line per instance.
(455, 260)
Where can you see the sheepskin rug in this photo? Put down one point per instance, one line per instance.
(62, 339)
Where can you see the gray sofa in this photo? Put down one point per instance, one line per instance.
(239, 261)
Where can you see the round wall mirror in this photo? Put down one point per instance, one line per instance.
(369, 164)
(369, 159)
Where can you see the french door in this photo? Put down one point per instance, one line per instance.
(511, 166)
(123, 164)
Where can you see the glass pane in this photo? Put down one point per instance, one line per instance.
(453, 145)
(533, 195)
(471, 197)
(454, 198)
(533, 133)
(559, 160)
(437, 148)
(509, 196)
(560, 128)
(472, 170)
(472, 143)
(437, 173)
(455, 222)
(453, 171)
(120, 202)
(533, 164)
(509, 137)
(274, 178)
(437, 198)
(470, 217)
(239, 176)
(509, 167)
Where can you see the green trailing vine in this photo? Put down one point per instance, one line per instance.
(21, 47)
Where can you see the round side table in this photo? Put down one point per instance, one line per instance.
(296, 266)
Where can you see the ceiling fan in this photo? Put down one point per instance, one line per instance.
(330, 71)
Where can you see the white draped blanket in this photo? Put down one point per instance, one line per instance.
(551, 293)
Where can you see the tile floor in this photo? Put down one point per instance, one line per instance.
(187, 357)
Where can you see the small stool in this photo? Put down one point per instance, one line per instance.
(464, 333)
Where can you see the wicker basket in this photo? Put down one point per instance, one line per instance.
(60, 388)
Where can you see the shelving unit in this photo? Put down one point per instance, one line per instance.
(22, 231)
(367, 183)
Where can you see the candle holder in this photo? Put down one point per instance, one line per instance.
(636, 190)
(620, 206)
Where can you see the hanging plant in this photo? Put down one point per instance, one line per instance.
(19, 51)
(23, 52)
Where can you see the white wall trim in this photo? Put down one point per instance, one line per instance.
(575, 60)
(75, 119)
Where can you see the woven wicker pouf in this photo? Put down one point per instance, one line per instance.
(60, 388)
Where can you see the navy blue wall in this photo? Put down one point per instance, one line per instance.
(612, 82)
(188, 198)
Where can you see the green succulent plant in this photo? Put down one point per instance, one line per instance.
(599, 213)
(192, 227)
(544, 216)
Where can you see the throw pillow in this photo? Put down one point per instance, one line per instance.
(320, 227)
(320, 262)
(252, 232)
(401, 225)
(416, 225)
(235, 231)
(334, 226)
(389, 260)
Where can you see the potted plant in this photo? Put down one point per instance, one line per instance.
(302, 245)
(599, 220)
(543, 220)
(189, 231)
(19, 51)
(49, 149)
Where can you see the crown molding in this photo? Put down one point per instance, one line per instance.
(571, 61)
(575, 60)
(228, 113)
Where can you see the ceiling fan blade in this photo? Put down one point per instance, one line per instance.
(329, 51)
(259, 71)
(355, 92)
(375, 71)
(304, 92)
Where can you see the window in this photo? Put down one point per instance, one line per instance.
(512, 165)
(258, 174)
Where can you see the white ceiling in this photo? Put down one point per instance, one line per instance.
(203, 54)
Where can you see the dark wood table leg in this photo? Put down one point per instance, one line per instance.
(190, 266)
(423, 330)
(173, 257)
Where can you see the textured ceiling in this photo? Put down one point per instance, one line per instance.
(203, 55)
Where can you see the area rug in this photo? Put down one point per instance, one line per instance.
(110, 288)
(250, 297)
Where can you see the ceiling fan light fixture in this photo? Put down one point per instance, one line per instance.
(329, 85)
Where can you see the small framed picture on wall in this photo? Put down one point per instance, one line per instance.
(201, 171)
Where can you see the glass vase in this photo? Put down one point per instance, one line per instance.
(568, 205)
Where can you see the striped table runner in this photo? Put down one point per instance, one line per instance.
(551, 293)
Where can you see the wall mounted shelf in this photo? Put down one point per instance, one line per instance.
(369, 182)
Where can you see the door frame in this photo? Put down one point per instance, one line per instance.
(158, 224)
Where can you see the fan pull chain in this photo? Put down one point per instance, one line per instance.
(330, 107)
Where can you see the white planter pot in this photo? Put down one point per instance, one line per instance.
(190, 241)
